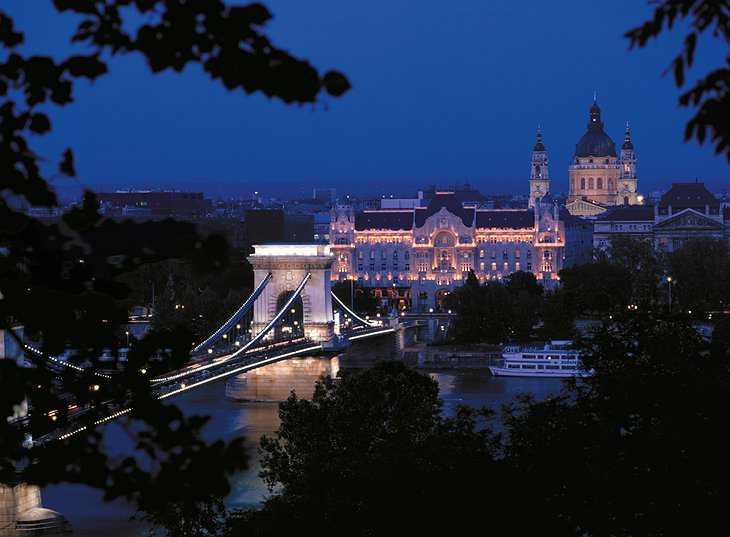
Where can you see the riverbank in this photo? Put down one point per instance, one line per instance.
(424, 356)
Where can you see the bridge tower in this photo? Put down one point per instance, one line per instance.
(288, 265)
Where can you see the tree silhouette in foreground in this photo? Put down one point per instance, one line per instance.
(369, 455)
(60, 281)
(711, 94)
(637, 449)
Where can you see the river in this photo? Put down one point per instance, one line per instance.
(92, 517)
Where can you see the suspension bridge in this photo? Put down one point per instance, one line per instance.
(291, 312)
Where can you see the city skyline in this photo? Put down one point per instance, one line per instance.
(454, 97)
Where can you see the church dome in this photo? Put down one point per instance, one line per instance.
(595, 142)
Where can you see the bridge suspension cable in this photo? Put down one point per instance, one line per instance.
(58, 365)
(235, 317)
(258, 337)
(350, 312)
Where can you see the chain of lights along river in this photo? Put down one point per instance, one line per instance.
(91, 516)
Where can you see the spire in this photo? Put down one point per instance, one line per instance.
(627, 139)
(539, 145)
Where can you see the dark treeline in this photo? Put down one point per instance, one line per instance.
(183, 295)
(637, 449)
(630, 274)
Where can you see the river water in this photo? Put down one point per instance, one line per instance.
(92, 517)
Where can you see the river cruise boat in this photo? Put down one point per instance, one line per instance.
(555, 359)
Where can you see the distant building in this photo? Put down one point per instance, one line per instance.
(322, 228)
(685, 211)
(262, 226)
(599, 177)
(298, 228)
(462, 192)
(154, 203)
(325, 195)
(400, 203)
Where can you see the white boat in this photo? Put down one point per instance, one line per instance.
(555, 359)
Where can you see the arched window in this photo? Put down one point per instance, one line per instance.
(600, 182)
(590, 183)
(610, 184)
(572, 184)
(583, 182)
(626, 200)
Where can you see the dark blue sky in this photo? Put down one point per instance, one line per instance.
(442, 92)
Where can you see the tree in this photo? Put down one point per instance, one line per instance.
(620, 453)
(364, 301)
(645, 265)
(700, 272)
(60, 280)
(598, 287)
(557, 320)
(710, 93)
(526, 296)
(369, 455)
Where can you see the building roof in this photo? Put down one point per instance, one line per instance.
(629, 212)
(392, 220)
(688, 195)
(448, 201)
(506, 219)
(595, 142)
(571, 219)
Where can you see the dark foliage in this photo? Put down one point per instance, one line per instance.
(700, 272)
(369, 455)
(711, 93)
(61, 281)
(637, 449)
(364, 301)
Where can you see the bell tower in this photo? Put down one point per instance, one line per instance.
(539, 178)
(627, 187)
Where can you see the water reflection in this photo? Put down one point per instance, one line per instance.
(92, 517)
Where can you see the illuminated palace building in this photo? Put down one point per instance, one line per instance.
(413, 258)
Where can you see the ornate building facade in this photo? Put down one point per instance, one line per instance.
(414, 258)
(685, 211)
(599, 177)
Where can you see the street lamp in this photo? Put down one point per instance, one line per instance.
(127, 334)
(669, 283)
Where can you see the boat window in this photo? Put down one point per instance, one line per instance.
(541, 366)
(567, 367)
(513, 366)
(552, 367)
(528, 356)
(539, 356)
(528, 366)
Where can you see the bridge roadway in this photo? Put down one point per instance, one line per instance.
(214, 367)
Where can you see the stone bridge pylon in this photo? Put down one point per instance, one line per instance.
(288, 265)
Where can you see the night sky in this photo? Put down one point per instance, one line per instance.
(442, 92)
